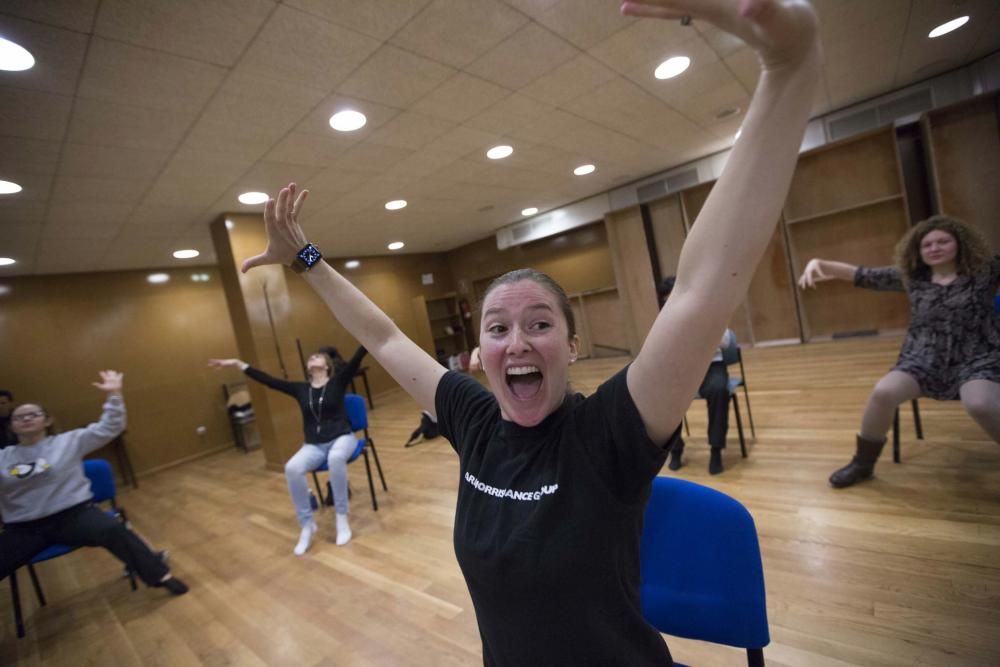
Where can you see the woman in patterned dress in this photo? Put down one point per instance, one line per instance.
(952, 347)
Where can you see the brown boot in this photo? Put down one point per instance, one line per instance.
(861, 467)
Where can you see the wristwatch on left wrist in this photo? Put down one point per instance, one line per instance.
(306, 258)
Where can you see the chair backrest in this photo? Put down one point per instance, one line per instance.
(731, 352)
(356, 413)
(102, 480)
(701, 571)
(996, 304)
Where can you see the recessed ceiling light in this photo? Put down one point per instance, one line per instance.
(229, 224)
(671, 67)
(199, 277)
(4, 290)
(395, 204)
(157, 278)
(738, 133)
(396, 245)
(252, 198)
(499, 152)
(531, 210)
(352, 264)
(7, 261)
(584, 169)
(186, 254)
(14, 57)
(9, 187)
(945, 28)
(348, 120)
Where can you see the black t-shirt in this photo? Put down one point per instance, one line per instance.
(333, 421)
(548, 524)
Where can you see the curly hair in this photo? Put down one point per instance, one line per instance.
(973, 250)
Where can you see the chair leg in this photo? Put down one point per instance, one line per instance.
(755, 657)
(15, 597)
(377, 464)
(319, 492)
(328, 501)
(916, 420)
(37, 584)
(687, 429)
(746, 397)
(895, 437)
(739, 424)
(371, 483)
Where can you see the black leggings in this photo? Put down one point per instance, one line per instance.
(83, 525)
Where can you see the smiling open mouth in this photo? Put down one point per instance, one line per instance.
(524, 381)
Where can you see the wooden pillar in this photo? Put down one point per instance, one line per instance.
(260, 311)
(633, 273)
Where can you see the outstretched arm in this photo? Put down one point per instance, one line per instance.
(284, 386)
(415, 370)
(818, 270)
(735, 225)
(112, 421)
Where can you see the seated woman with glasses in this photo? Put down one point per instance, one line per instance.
(45, 497)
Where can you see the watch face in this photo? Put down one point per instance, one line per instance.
(310, 255)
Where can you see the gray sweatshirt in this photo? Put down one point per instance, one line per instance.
(39, 480)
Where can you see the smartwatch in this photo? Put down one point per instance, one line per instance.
(306, 258)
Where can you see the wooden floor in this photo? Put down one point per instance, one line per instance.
(904, 570)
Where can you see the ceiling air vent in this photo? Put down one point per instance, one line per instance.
(651, 191)
(868, 117)
(683, 180)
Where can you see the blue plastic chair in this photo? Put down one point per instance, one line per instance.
(701, 573)
(102, 485)
(358, 416)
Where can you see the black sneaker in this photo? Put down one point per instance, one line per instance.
(175, 586)
(675, 454)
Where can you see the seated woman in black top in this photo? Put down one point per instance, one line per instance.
(952, 346)
(553, 485)
(327, 431)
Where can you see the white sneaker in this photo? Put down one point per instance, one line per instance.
(343, 530)
(305, 538)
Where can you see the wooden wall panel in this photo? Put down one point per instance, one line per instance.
(633, 274)
(579, 260)
(59, 331)
(866, 237)
(669, 232)
(847, 173)
(771, 297)
(605, 318)
(964, 151)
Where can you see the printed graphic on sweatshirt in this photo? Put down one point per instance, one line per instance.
(482, 487)
(26, 470)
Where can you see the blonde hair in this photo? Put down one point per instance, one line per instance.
(972, 253)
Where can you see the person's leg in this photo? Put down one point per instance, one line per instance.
(17, 547)
(676, 448)
(342, 449)
(304, 461)
(90, 526)
(715, 390)
(894, 388)
(981, 399)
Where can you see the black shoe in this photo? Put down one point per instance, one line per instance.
(174, 585)
(675, 455)
(861, 467)
(715, 463)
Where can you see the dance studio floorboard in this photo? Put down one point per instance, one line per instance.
(904, 570)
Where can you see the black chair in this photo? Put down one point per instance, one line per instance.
(917, 425)
(102, 484)
(731, 354)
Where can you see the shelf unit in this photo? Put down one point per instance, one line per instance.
(448, 327)
(847, 203)
(964, 163)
